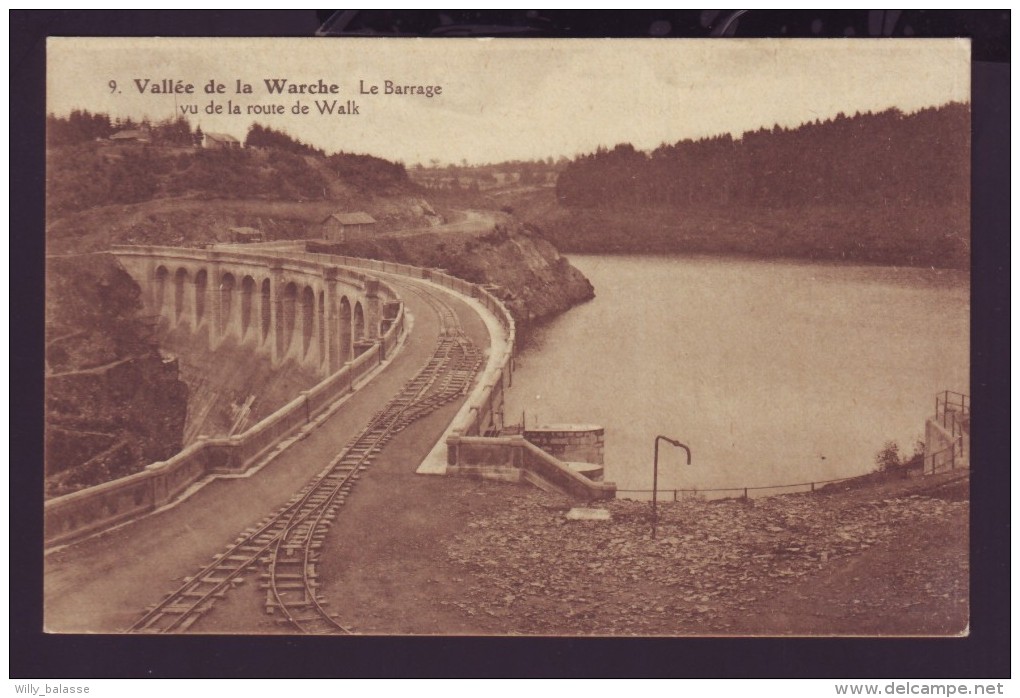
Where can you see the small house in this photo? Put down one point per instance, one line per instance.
(245, 234)
(221, 141)
(339, 226)
(132, 135)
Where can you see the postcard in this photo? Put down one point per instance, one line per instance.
(503, 337)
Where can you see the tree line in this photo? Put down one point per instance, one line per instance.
(273, 165)
(876, 159)
(82, 126)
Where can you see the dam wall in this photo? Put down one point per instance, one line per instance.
(281, 307)
(272, 325)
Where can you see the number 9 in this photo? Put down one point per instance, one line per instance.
(113, 85)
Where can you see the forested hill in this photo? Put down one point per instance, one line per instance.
(90, 163)
(867, 159)
(888, 188)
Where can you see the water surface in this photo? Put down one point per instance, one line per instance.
(772, 372)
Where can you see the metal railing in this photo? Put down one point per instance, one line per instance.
(950, 407)
(951, 454)
(949, 458)
(744, 492)
(952, 413)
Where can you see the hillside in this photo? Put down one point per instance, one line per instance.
(113, 402)
(888, 188)
(924, 236)
(887, 559)
(531, 277)
(100, 193)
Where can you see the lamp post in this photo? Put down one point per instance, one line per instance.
(655, 478)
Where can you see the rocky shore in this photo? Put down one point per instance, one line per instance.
(883, 560)
(534, 280)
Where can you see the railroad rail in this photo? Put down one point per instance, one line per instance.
(287, 544)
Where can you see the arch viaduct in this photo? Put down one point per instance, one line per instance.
(282, 308)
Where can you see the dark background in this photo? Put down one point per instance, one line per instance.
(984, 654)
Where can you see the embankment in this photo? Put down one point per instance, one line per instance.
(524, 271)
(898, 234)
(114, 403)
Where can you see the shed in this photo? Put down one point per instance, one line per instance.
(244, 234)
(131, 136)
(219, 140)
(337, 226)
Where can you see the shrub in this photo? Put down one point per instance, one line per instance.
(889, 457)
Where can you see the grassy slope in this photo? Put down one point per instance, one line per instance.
(891, 235)
(190, 196)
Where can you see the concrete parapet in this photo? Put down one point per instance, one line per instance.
(483, 411)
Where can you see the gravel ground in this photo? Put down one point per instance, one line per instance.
(867, 562)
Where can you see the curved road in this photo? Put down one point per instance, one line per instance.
(104, 583)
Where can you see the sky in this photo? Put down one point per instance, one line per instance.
(513, 98)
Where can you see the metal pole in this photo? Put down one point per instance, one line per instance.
(655, 488)
(655, 478)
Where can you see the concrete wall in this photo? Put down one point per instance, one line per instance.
(474, 447)
(571, 442)
(944, 450)
(514, 459)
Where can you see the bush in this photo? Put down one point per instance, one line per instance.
(889, 457)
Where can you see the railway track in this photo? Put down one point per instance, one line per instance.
(285, 546)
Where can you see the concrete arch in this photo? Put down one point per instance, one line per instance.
(159, 295)
(359, 322)
(201, 285)
(247, 300)
(307, 319)
(289, 308)
(321, 318)
(283, 309)
(346, 326)
(227, 284)
(180, 283)
(267, 308)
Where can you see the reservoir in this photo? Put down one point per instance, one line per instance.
(772, 372)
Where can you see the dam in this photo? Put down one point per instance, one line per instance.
(392, 344)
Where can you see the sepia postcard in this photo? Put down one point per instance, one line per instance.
(507, 337)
